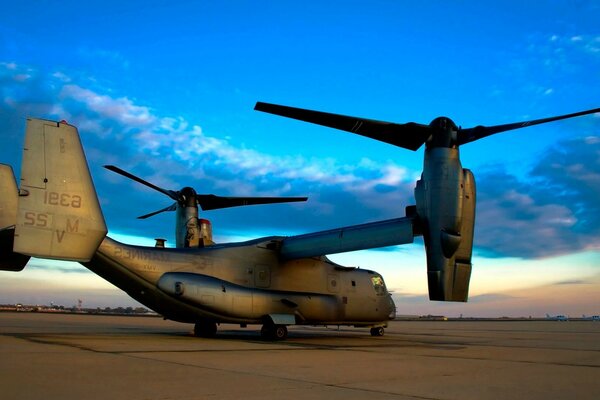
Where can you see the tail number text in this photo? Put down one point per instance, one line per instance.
(62, 199)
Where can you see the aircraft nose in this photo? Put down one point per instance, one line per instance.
(392, 314)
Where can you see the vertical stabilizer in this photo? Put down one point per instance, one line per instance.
(58, 212)
(8, 197)
(9, 260)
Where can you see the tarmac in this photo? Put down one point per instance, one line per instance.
(62, 356)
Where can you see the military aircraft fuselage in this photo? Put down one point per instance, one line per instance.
(244, 283)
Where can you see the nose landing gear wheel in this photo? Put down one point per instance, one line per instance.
(377, 331)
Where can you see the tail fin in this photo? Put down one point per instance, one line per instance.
(58, 212)
(9, 261)
(8, 197)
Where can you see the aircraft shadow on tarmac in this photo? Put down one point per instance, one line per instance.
(328, 338)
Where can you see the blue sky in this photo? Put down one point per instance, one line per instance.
(166, 91)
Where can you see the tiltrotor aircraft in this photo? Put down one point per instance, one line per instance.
(273, 281)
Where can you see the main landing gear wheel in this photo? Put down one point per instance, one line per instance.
(377, 331)
(205, 329)
(274, 332)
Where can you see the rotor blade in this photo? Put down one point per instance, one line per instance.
(409, 136)
(478, 132)
(118, 170)
(172, 207)
(212, 202)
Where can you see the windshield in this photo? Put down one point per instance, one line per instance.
(378, 285)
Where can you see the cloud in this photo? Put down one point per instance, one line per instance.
(563, 45)
(559, 59)
(490, 298)
(588, 43)
(121, 110)
(554, 212)
(573, 282)
(173, 152)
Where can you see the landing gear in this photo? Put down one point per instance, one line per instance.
(377, 331)
(274, 332)
(205, 329)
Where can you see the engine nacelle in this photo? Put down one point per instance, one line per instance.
(189, 230)
(445, 197)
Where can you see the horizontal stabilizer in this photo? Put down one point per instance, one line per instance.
(357, 237)
(58, 215)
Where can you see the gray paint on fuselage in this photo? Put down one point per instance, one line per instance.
(137, 270)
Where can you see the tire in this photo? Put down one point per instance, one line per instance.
(265, 332)
(379, 331)
(274, 332)
(206, 329)
(280, 332)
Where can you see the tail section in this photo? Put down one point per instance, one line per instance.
(9, 261)
(8, 197)
(58, 214)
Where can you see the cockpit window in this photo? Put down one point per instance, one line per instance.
(378, 285)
